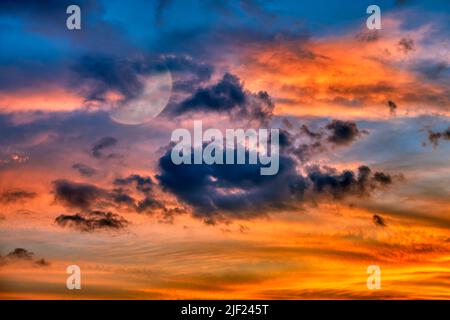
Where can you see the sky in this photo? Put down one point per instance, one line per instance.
(86, 177)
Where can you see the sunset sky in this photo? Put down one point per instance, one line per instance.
(86, 177)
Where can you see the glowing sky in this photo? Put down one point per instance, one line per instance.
(364, 166)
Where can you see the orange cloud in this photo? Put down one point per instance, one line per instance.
(54, 99)
(345, 75)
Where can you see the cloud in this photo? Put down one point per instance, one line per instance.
(149, 204)
(84, 170)
(313, 135)
(335, 133)
(100, 75)
(433, 70)
(92, 201)
(97, 76)
(220, 192)
(435, 136)
(328, 181)
(12, 196)
(368, 36)
(343, 132)
(187, 73)
(406, 44)
(104, 143)
(21, 254)
(239, 190)
(392, 107)
(382, 73)
(42, 262)
(78, 195)
(382, 178)
(378, 220)
(331, 294)
(92, 220)
(229, 95)
(143, 184)
(88, 196)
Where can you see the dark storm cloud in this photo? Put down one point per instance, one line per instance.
(84, 170)
(382, 178)
(92, 200)
(11, 196)
(149, 204)
(88, 196)
(78, 195)
(335, 133)
(392, 107)
(434, 136)
(229, 95)
(406, 44)
(238, 189)
(120, 197)
(99, 74)
(92, 221)
(329, 181)
(105, 142)
(285, 138)
(105, 73)
(143, 184)
(218, 192)
(20, 253)
(187, 74)
(378, 220)
(343, 132)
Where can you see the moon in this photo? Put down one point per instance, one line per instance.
(157, 90)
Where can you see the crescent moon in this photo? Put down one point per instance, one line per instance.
(151, 102)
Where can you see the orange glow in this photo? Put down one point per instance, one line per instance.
(56, 99)
(341, 75)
